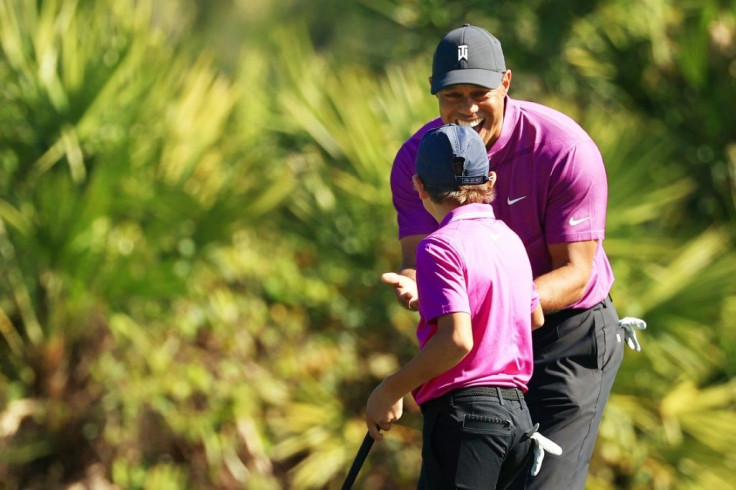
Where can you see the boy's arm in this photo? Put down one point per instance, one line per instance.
(449, 345)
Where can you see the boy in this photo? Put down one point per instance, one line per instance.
(478, 307)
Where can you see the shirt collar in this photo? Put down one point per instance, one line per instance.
(510, 117)
(469, 211)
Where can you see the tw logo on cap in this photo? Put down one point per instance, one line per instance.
(462, 52)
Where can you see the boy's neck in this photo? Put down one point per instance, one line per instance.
(442, 209)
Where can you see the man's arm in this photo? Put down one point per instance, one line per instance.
(446, 348)
(409, 246)
(537, 317)
(566, 282)
(405, 281)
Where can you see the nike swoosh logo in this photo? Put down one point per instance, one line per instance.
(514, 201)
(575, 222)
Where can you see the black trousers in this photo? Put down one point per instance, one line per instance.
(577, 354)
(474, 438)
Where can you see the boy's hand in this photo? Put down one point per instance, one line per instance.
(381, 410)
(406, 289)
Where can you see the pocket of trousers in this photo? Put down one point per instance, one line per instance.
(479, 424)
(602, 333)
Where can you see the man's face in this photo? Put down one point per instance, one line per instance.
(475, 106)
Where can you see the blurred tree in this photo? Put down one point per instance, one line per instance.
(194, 213)
(116, 181)
(676, 65)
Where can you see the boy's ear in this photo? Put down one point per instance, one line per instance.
(419, 187)
(492, 177)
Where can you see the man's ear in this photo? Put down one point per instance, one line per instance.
(419, 187)
(506, 81)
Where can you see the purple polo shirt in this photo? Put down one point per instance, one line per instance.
(474, 263)
(551, 188)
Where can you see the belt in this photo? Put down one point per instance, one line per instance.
(562, 315)
(445, 400)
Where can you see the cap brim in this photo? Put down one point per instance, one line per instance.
(475, 76)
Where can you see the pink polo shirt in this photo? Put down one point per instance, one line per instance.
(551, 188)
(474, 263)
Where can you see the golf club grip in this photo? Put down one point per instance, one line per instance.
(358, 461)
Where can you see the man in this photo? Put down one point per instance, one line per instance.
(552, 191)
(478, 308)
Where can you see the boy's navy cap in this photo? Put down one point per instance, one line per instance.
(451, 156)
(468, 54)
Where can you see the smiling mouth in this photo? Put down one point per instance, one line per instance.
(476, 124)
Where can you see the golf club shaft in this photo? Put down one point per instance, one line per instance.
(358, 461)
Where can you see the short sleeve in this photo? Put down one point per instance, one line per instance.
(578, 198)
(535, 297)
(411, 217)
(440, 281)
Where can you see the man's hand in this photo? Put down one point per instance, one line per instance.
(406, 289)
(541, 445)
(382, 410)
(628, 324)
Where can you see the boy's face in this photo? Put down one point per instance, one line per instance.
(475, 106)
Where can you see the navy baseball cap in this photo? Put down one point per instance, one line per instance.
(468, 54)
(451, 156)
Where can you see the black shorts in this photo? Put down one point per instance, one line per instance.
(474, 438)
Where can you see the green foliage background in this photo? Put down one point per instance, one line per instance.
(195, 213)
